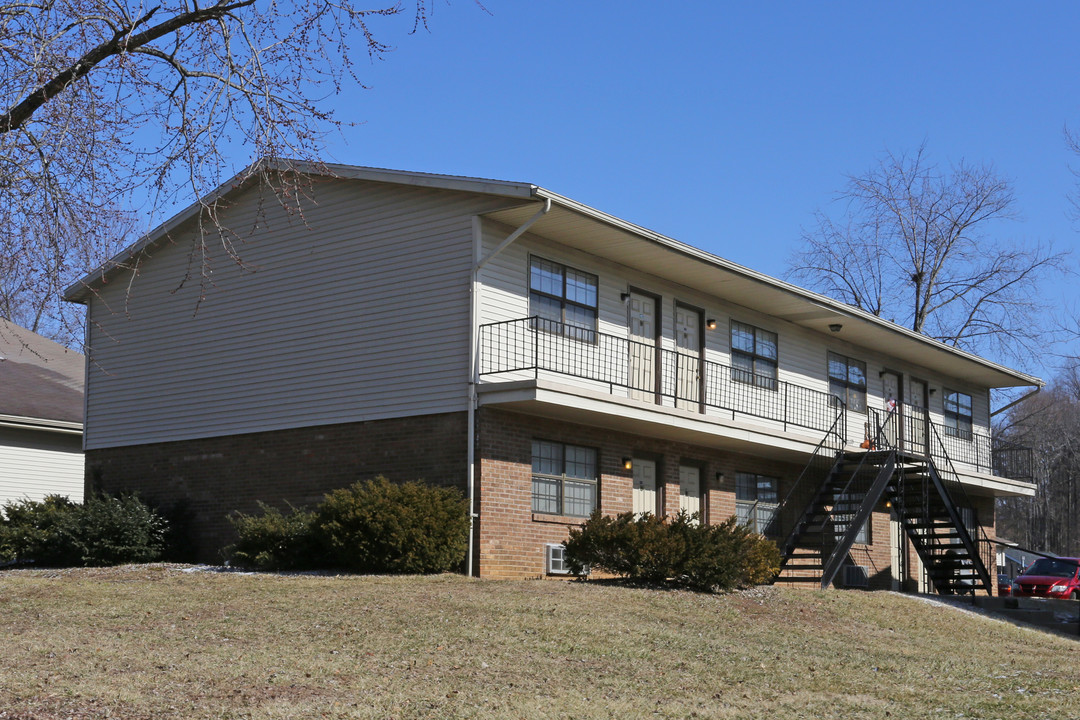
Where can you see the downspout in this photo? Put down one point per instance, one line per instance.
(474, 355)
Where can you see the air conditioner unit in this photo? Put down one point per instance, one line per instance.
(555, 564)
(856, 576)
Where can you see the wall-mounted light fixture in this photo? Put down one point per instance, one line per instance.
(628, 463)
(836, 327)
(933, 391)
(711, 323)
(881, 374)
(624, 296)
(720, 476)
(888, 503)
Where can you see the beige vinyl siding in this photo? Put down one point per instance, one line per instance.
(802, 353)
(35, 463)
(356, 311)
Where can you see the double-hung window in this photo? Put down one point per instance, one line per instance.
(957, 414)
(563, 299)
(847, 381)
(753, 355)
(563, 479)
(756, 500)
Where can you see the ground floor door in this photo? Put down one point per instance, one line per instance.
(690, 491)
(644, 487)
(898, 550)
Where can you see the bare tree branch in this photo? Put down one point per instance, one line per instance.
(917, 247)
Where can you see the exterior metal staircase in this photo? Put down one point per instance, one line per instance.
(926, 498)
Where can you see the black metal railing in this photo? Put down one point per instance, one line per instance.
(910, 429)
(647, 372)
(677, 378)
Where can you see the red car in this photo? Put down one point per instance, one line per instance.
(1049, 577)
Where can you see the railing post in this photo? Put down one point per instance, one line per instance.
(786, 388)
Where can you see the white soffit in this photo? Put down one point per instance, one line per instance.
(605, 236)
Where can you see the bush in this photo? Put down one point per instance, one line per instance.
(678, 552)
(383, 527)
(103, 530)
(371, 527)
(274, 540)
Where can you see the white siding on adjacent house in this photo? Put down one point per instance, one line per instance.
(35, 463)
(357, 311)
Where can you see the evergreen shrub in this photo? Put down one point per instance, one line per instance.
(374, 526)
(104, 530)
(678, 552)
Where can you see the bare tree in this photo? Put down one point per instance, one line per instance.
(914, 245)
(103, 98)
(1049, 423)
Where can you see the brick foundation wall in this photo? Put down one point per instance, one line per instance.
(202, 481)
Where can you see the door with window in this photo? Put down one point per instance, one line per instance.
(642, 350)
(918, 409)
(644, 500)
(688, 358)
(892, 402)
(690, 491)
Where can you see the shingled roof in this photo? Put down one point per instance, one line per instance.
(40, 380)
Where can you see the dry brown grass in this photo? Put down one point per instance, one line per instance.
(158, 642)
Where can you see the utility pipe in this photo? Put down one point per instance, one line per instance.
(474, 355)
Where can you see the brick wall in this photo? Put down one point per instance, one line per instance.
(201, 481)
(511, 538)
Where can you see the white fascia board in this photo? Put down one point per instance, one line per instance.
(843, 311)
(29, 423)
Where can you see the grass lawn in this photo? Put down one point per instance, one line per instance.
(158, 642)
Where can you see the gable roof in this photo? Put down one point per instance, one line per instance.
(596, 232)
(42, 380)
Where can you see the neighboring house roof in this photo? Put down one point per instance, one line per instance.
(42, 380)
(604, 235)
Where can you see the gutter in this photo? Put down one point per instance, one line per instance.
(474, 354)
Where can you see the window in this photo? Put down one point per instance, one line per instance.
(564, 479)
(847, 381)
(756, 500)
(844, 512)
(563, 299)
(753, 355)
(957, 414)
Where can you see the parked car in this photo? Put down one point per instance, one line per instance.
(1004, 584)
(1049, 577)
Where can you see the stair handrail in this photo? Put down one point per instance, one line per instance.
(838, 431)
(949, 485)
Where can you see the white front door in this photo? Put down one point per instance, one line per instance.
(642, 352)
(688, 361)
(644, 487)
(920, 416)
(690, 490)
(891, 396)
(898, 541)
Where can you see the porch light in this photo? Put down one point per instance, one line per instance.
(711, 323)
(836, 327)
(624, 296)
(720, 476)
(628, 463)
(888, 503)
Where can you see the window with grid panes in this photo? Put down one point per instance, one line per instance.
(756, 500)
(563, 479)
(562, 299)
(753, 355)
(957, 414)
(847, 381)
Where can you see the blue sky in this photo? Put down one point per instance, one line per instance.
(725, 125)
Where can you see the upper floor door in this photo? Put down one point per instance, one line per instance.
(688, 361)
(642, 352)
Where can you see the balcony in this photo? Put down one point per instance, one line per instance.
(528, 347)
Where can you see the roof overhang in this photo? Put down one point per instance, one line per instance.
(589, 230)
